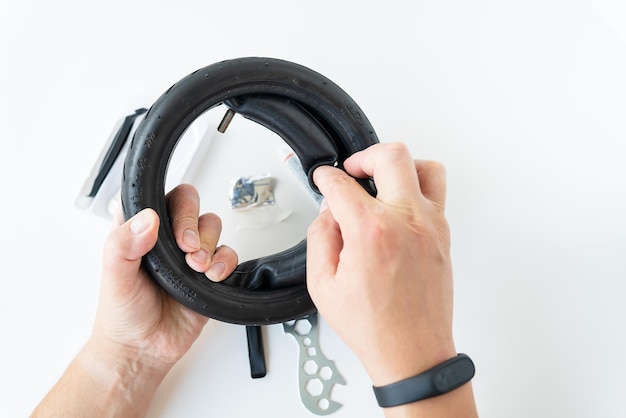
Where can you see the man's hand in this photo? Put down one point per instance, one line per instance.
(140, 332)
(134, 314)
(379, 269)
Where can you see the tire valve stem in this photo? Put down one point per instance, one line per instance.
(228, 117)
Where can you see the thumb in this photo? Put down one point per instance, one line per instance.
(128, 243)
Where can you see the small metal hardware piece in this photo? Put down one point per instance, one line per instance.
(228, 117)
(247, 192)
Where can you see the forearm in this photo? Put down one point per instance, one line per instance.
(97, 384)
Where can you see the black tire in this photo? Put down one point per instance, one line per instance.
(312, 114)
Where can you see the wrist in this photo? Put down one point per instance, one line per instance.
(405, 360)
(436, 381)
(424, 392)
(125, 383)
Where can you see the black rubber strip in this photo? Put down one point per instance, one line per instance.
(121, 136)
(256, 352)
(312, 114)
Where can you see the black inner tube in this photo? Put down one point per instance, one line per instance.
(314, 116)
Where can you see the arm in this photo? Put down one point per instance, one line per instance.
(380, 273)
(139, 332)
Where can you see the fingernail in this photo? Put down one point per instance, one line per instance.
(215, 271)
(191, 238)
(140, 222)
(200, 256)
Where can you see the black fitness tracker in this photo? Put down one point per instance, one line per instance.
(443, 378)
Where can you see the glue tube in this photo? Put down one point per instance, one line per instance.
(293, 163)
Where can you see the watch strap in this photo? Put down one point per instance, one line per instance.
(443, 378)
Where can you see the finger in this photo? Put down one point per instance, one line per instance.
(183, 207)
(209, 227)
(126, 245)
(223, 263)
(392, 168)
(324, 244)
(432, 178)
(346, 199)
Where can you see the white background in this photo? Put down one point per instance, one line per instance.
(523, 101)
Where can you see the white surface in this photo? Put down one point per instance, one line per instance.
(524, 102)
